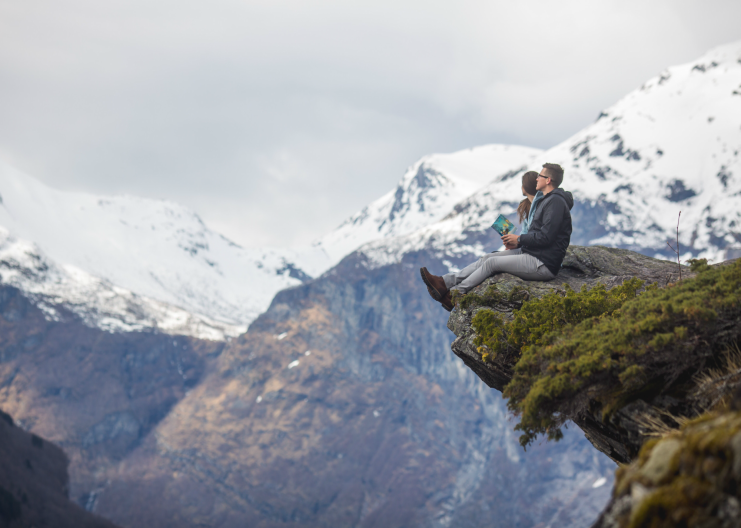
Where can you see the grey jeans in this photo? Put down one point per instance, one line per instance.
(512, 261)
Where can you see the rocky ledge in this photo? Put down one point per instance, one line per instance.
(34, 483)
(683, 379)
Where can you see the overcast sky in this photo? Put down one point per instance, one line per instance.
(276, 119)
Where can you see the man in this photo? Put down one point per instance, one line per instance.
(536, 255)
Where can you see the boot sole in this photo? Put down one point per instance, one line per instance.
(430, 288)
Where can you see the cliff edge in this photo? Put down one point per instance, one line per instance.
(642, 381)
(641, 361)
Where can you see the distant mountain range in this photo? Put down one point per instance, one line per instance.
(145, 251)
(671, 145)
(152, 248)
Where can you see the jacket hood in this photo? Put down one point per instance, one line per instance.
(566, 195)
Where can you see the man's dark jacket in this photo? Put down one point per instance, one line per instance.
(550, 232)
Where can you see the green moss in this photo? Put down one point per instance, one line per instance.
(490, 333)
(540, 317)
(606, 336)
(698, 265)
(490, 297)
(633, 377)
(536, 320)
(672, 505)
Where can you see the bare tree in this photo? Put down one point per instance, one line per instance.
(677, 250)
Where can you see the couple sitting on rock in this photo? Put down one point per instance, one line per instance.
(535, 254)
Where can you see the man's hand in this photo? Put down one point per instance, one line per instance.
(510, 241)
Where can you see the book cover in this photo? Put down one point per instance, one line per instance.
(502, 226)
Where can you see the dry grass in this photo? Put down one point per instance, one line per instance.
(658, 422)
(719, 384)
(731, 366)
(713, 382)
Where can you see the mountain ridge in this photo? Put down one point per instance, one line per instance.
(163, 251)
(631, 173)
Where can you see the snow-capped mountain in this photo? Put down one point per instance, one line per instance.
(427, 192)
(672, 145)
(97, 302)
(152, 248)
(159, 251)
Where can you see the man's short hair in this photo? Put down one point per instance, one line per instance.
(555, 173)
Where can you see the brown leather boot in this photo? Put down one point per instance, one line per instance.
(435, 285)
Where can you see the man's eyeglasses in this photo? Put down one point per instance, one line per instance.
(544, 177)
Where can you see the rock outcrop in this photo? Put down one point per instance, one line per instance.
(689, 477)
(34, 483)
(621, 436)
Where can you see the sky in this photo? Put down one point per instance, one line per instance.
(275, 120)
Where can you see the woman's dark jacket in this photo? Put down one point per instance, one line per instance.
(550, 231)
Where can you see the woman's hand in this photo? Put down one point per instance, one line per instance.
(510, 241)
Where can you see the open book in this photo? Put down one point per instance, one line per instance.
(502, 225)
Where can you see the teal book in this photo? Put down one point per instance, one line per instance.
(502, 225)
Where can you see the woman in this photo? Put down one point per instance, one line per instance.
(526, 209)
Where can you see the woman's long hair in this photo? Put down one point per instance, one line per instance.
(528, 183)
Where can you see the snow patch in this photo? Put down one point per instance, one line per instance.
(599, 482)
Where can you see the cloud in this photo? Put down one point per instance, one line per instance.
(276, 120)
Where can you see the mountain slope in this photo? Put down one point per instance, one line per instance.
(34, 483)
(343, 406)
(93, 392)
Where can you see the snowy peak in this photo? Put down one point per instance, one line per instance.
(671, 145)
(426, 193)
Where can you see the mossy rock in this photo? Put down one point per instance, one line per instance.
(690, 477)
(582, 266)
(658, 340)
